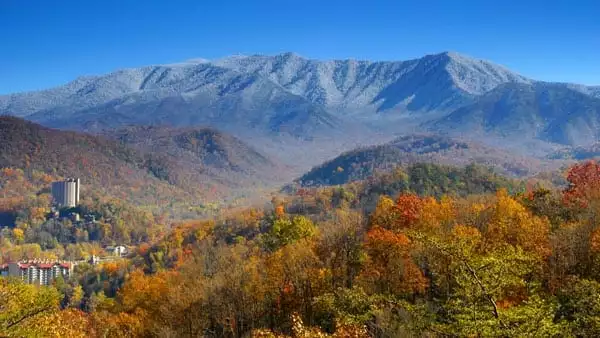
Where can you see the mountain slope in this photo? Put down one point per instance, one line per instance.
(284, 104)
(577, 153)
(180, 95)
(100, 163)
(243, 86)
(155, 179)
(550, 112)
(205, 151)
(432, 82)
(365, 162)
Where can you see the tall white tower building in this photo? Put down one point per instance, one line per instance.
(66, 193)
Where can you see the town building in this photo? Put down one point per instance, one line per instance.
(119, 250)
(66, 193)
(41, 272)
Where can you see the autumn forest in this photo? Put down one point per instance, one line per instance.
(422, 250)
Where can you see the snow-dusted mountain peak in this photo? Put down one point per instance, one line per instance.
(472, 75)
(285, 82)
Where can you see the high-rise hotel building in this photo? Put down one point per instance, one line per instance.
(66, 193)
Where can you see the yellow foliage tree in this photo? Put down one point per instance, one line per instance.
(511, 223)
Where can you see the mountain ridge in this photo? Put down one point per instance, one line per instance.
(226, 62)
(131, 80)
(551, 112)
(333, 81)
(290, 102)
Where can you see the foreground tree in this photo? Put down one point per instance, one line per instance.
(23, 305)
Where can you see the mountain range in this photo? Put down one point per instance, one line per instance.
(301, 112)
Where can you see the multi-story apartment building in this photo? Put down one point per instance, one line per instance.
(66, 193)
(37, 271)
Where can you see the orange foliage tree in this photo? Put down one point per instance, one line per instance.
(390, 267)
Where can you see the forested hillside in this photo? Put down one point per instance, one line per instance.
(362, 163)
(102, 164)
(181, 173)
(203, 155)
(423, 251)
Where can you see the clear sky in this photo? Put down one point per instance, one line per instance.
(44, 43)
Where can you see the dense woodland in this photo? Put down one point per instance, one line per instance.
(364, 162)
(177, 172)
(423, 250)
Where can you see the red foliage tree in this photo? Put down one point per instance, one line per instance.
(409, 207)
(584, 184)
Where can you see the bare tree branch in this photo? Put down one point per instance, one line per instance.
(29, 315)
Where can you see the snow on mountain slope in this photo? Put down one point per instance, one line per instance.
(427, 83)
(200, 94)
(81, 93)
(551, 112)
(338, 83)
(153, 82)
(476, 76)
(593, 91)
(265, 97)
(435, 82)
(438, 82)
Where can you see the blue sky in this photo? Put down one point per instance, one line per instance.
(46, 43)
